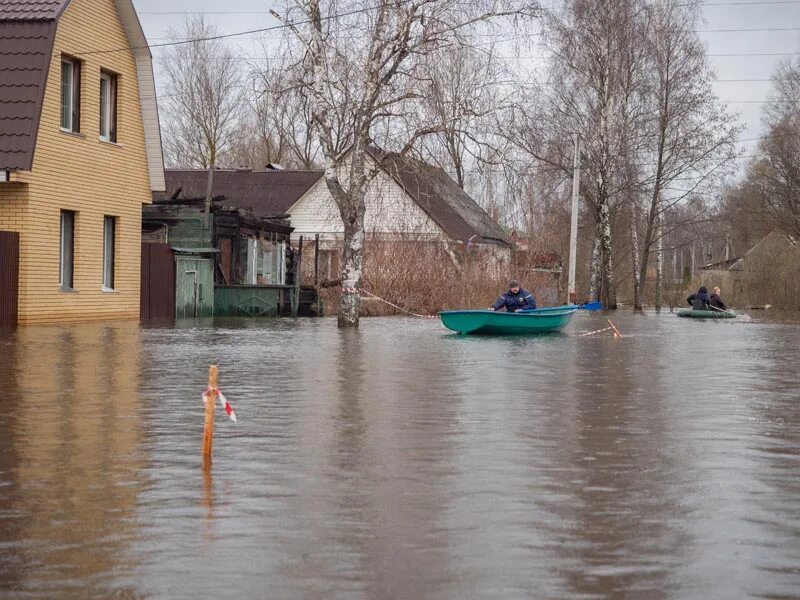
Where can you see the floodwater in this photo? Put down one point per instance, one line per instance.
(399, 461)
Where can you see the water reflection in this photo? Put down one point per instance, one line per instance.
(622, 534)
(401, 462)
(71, 470)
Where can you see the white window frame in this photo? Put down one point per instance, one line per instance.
(70, 115)
(109, 252)
(66, 256)
(108, 107)
(251, 275)
(281, 263)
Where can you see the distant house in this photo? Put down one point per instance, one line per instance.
(767, 274)
(80, 153)
(407, 201)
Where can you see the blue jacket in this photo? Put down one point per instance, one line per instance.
(515, 302)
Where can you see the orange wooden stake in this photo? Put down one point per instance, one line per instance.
(617, 334)
(211, 401)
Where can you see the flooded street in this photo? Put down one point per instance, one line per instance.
(400, 461)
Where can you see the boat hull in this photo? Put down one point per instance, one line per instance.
(691, 313)
(487, 322)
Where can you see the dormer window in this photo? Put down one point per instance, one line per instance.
(70, 94)
(108, 106)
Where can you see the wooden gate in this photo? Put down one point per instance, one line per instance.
(9, 278)
(195, 296)
(157, 296)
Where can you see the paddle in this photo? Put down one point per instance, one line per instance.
(588, 306)
(729, 312)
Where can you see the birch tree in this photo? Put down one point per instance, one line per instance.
(203, 99)
(360, 74)
(691, 136)
(593, 83)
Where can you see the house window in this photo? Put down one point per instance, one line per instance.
(109, 240)
(108, 106)
(67, 249)
(70, 95)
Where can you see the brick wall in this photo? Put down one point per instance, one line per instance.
(79, 172)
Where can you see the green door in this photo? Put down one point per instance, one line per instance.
(195, 288)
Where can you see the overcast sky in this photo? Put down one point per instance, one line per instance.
(743, 60)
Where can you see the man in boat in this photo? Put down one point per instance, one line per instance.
(516, 298)
(715, 300)
(700, 300)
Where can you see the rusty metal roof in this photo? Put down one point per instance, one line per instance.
(270, 192)
(274, 192)
(438, 195)
(31, 10)
(25, 49)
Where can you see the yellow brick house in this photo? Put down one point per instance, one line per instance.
(80, 153)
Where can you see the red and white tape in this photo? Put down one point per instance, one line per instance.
(593, 332)
(371, 295)
(223, 402)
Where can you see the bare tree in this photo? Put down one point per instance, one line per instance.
(203, 98)
(776, 174)
(592, 90)
(361, 64)
(463, 89)
(280, 125)
(690, 136)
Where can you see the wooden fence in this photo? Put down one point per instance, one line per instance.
(9, 278)
(157, 301)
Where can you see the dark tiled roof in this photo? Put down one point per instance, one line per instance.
(31, 10)
(438, 195)
(25, 48)
(265, 192)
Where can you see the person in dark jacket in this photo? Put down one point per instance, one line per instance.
(700, 300)
(715, 300)
(516, 298)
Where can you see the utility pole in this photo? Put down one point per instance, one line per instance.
(209, 192)
(573, 231)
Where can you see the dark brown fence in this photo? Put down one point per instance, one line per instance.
(9, 278)
(157, 300)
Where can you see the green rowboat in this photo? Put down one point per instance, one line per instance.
(487, 322)
(706, 314)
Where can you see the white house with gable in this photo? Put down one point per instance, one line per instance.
(407, 202)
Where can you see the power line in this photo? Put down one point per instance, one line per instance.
(257, 12)
(250, 31)
(747, 30)
(757, 3)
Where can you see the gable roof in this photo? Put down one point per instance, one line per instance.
(439, 196)
(270, 192)
(275, 191)
(27, 35)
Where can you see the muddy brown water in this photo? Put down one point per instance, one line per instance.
(399, 461)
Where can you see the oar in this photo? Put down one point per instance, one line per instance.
(588, 306)
(728, 312)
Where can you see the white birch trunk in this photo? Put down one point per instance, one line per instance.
(637, 281)
(352, 268)
(594, 272)
(609, 290)
(659, 262)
